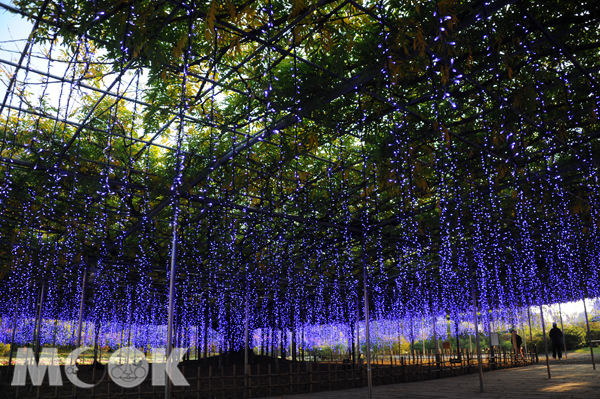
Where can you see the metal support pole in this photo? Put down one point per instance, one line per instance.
(281, 347)
(367, 338)
(303, 343)
(524, 337)
(12, 340)
(545, 341)
(458, 355)
(80, 319)
(39, 322)
(204, 339)
(562, 328)
(587, 322)
(479, 360)
(358, 360)
(171, 301)
(81, 305)
(246, 338)
(412, 340)
(436, 341)
(353, 344)
(294, 346)
(529, 321)
(246, 382)
(492, 354)
(423, 334)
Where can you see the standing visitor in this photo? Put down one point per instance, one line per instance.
(557, 341)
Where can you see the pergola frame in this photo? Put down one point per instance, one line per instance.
(230, 215)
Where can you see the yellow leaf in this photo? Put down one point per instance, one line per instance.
(211, 17)
(232, 11)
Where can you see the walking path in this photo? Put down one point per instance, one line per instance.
(571, 378)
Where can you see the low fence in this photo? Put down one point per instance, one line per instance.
(273, 380)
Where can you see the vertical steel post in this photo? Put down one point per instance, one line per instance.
(529, 321)
(412, 340)
(423, 334)
(367, 335)
(479, 360)
(171, 301)
(436, 341)
(562, 328)
(358, 360)
(353, 345)
(39, 322)
(524, 337)
(587, 322)
(458, 355)
(246, 337)
(293, 344)
(81, 305)
(545, 341)
(205, 341)
(367, 338)
(303, 342)
(246, 380)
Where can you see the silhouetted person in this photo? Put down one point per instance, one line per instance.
(557, 341)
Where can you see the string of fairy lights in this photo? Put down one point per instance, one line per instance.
(357, 180)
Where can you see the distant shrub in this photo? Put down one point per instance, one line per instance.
(595, 330)
(575, 337)
(4, 349)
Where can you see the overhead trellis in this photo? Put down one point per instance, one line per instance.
(285, 157)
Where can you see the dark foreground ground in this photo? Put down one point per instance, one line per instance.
(571, 378)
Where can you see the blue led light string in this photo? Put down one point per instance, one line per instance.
(567, 247)
(400, 176)
(566, 230)
(105, 304)
(121, 302)
(450, 228)
(46, 233)
(526, 251)
(20, 282)
(266, 303)
(184, 323)
(480, 255)
(138, 297)
(291, 295)
(593, 260)
(14, 125)
(562, 244)
(177, 250)
(450, 218)
(550, 231)
(345, 242)
(69, 245)
(72, 253)
(505, 294)
(50, 307)
(251, 299)
(145, 294)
